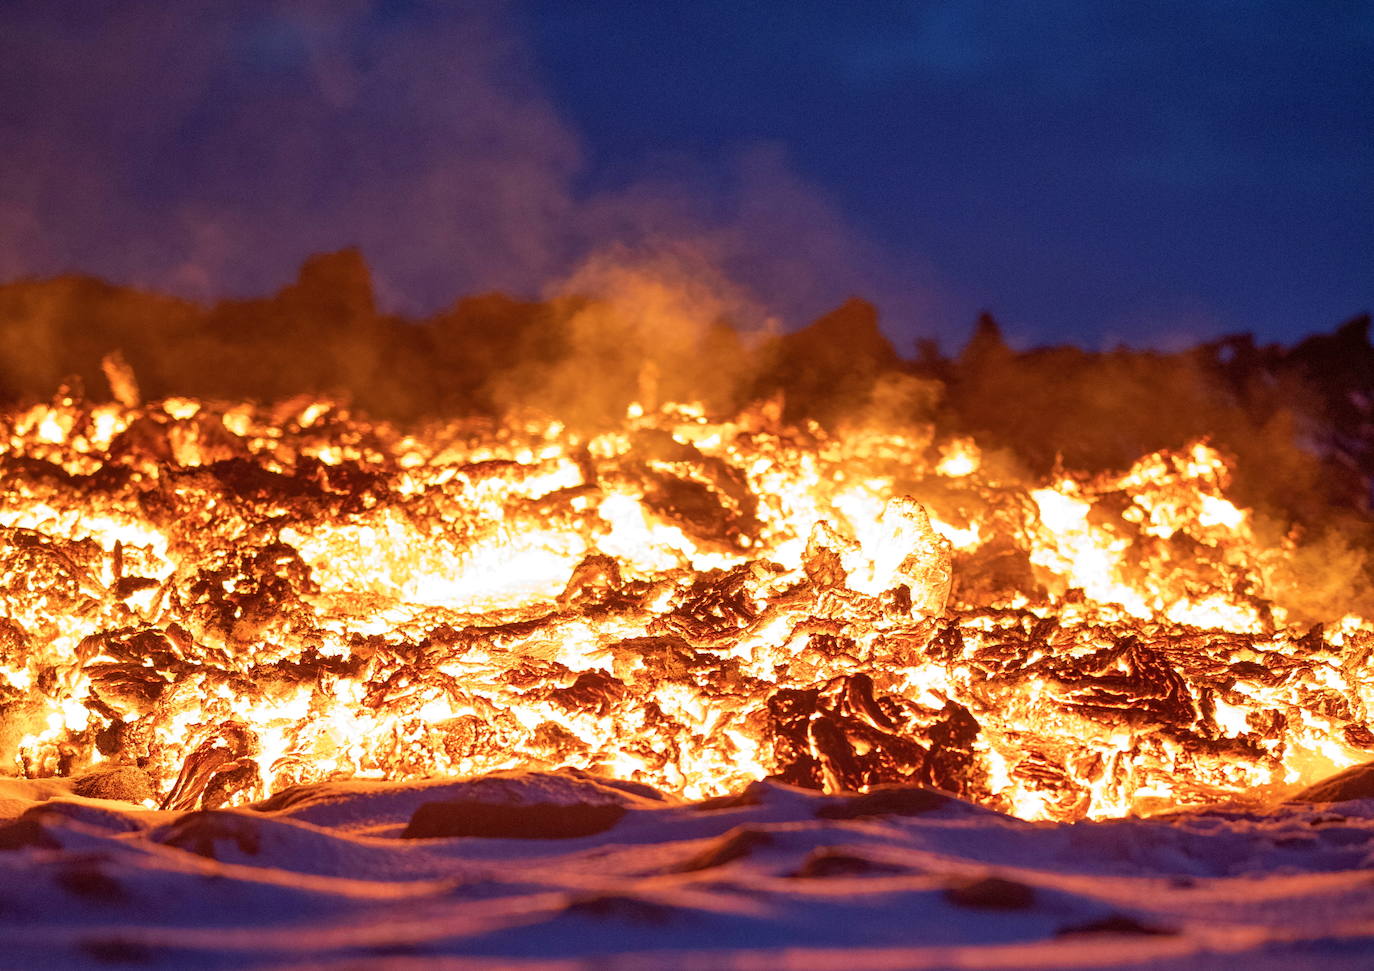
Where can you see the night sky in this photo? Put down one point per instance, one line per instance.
(1101, 173)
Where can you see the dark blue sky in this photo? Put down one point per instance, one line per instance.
(1150, 173)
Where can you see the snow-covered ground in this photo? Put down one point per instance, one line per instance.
(615, 875)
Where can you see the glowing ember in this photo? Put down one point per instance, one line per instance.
(237, 599)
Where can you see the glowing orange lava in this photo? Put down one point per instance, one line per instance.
(235, 599)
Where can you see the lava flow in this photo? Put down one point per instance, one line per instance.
(232, 599)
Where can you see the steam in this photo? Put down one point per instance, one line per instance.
(203, 150)
(648, 326)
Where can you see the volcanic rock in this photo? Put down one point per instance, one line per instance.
(829, 861)
(462, 817)
(992, 893)
(734, 845)
(886, 800)
(27, 832)
(1114, 924)
(125, 783)
(198, 833)
(1356, 782)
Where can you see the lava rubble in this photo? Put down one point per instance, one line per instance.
(222, 601)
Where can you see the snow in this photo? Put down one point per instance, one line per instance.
(774, 877)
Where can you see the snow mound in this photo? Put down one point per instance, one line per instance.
(602, 873)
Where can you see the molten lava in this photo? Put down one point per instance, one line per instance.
(234, 599)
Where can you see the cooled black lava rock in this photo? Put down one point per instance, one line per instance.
(1356, 782)
(734, 845)
(462, 817)
(886, 801)
(127, 783)
(992, 893)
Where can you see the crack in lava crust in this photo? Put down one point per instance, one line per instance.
(229, 600)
